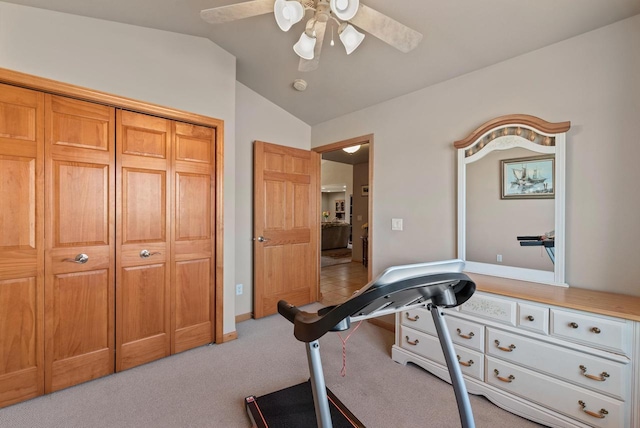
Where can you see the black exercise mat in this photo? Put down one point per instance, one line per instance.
(293, 408)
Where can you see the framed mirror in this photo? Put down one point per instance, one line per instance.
(511, 199)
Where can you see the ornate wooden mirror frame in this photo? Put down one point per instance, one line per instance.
(505, 132)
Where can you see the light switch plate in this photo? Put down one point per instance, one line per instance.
(396, 224)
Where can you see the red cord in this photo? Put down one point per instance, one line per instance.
(343, 372)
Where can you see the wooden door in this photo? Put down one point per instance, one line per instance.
(142, 239)
(21, 244)
(79, 254)
(193, 304)
(286, 227)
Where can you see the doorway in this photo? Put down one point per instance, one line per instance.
(346, 201)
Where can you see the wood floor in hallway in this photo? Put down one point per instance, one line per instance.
(338, 282)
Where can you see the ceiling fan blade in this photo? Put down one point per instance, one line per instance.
(233, 12)
(386, 29)
(312, 64)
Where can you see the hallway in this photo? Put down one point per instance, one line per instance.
(338, 282)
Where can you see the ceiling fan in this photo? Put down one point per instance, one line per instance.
(345, 13)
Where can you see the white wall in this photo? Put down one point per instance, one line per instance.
(590, 80)
(174, 70)
(256, 119)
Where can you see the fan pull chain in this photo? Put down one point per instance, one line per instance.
(343, 372)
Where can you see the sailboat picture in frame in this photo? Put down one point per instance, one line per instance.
(528, 178)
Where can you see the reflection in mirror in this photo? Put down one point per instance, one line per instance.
(493, 223)
(511, 199)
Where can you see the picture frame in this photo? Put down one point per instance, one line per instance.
(364, 190)
(528, 178)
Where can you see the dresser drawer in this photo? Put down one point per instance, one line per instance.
(471, 362)
(599, 332)
(462, 332)
(419, 319)
(598, 411)
(533, 318)
(599, 374)
(494, 308)
(466, 333)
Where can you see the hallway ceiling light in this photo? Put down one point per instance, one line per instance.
(352, 149)
(344, 13)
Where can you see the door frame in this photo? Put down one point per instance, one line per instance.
(45, 85)
(338, 145)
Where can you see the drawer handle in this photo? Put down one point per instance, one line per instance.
(416, 318)
(465, 336)
(502, 348)
(414, 343)
(601, 377)
(573, 325)
(595, 330)
(600, 415)
(509, 379)
(530, 318)
(463, 363)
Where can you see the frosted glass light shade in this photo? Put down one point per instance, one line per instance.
(287, 13)
(352, 149)
(351, 38)
(305, 46)
(344, 10)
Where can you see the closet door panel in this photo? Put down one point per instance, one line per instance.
(20, 356)
(81, 206)
(143, 300)
(193, 311)
(79, 266)
(193, 291)
(21, 244)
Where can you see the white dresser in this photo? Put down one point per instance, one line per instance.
(539, 357)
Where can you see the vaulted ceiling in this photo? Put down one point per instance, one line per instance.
(460, 36)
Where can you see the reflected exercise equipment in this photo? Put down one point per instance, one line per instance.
(434, 285)
(547, 241)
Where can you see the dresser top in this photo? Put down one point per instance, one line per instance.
(598, 302)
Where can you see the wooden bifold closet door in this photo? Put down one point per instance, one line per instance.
(21, 244)
(143, 239)
(80, 241)
(107, 227)
(164, 252)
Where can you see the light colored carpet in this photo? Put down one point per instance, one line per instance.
(205, 387)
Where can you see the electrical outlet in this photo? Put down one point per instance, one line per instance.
(238, 289)
(499, 258)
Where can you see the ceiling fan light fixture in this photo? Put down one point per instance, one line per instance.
(287, 13)
(305, 46)
(350, 37)
(344, 10)
(352, 149)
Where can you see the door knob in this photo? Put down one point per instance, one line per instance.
(146, 254)
(262, 239)
(80, 258)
